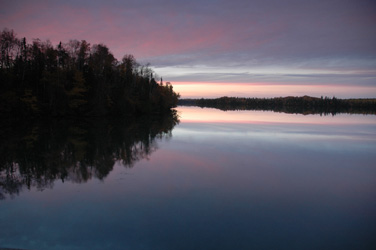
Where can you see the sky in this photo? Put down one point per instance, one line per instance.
(213, 48)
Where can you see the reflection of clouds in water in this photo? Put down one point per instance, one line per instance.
(362, 138)
(283, 160)
(252, 183)
(289, 134)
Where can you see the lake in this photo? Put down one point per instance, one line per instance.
(210, 180)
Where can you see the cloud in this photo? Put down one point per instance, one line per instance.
(269, 34)
(275, 74)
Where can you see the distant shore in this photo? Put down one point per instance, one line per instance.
(298, 105)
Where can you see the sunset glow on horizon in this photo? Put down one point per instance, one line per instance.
(216, 90)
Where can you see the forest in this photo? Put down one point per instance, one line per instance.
(75, 79)
(297, 105)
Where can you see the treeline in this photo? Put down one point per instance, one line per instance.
(300, 105)
(75, 79)
(37, 153)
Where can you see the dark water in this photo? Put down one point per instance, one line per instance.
(216, 180)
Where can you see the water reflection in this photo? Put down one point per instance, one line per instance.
(225, 180)
(35, 155)
(211, 115)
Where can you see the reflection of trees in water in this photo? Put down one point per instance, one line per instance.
(293, 105)
(35, 155)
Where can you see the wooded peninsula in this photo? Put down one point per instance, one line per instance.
(75, 79)
(297, 105)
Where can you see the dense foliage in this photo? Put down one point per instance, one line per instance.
(75, 79)
(301, 105)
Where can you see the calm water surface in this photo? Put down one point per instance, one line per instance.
(216, 180)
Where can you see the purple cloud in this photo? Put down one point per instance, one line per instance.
(332, 39)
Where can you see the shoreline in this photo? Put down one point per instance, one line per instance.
(289, 104)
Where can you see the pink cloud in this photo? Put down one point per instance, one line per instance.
(241, 33)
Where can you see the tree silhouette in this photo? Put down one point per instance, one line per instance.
(75, 79)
